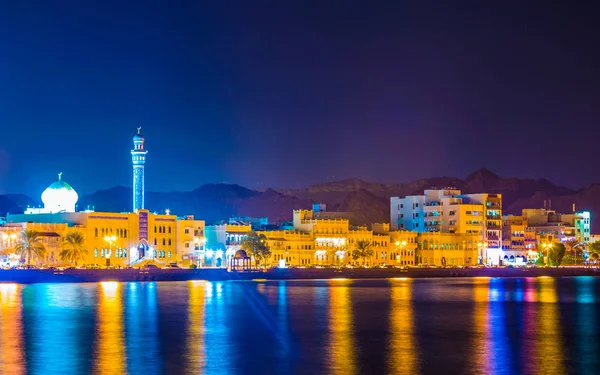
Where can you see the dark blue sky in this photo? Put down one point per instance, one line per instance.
(289, 93)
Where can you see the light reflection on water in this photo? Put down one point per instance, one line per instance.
(473, 326)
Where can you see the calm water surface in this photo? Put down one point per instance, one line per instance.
(425, 326)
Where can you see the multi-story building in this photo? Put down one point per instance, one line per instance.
(111, 238)
(449, 211)
(514, 244)
(317, 241)
(557, 226)
(442, 249)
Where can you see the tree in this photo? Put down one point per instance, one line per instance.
(593, 258)
(73, 248)
(363, 250)
(556, 254)
(574, 248)
(594, 247)
(30, 245)
(256, 245)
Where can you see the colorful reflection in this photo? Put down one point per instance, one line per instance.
(141, 328)
(403, 353)
(11, 330)
(587, 316)
(196, 353)
(481, 349)
(549, 345)
(341, 349)
(52, 327)
(496, 326)
(110, 352)
(218, 342)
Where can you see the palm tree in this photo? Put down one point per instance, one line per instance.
(30, 245)
(73, 248)
(363, 250)
(593, 258)
(574, 248)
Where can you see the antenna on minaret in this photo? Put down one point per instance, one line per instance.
(139, 129)
(59, 176)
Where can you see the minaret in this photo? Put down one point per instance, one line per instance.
(138, 158)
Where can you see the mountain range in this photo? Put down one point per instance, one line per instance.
(368, 201)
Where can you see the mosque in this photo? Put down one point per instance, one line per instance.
(112, 238)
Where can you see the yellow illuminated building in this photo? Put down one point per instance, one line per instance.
(317, 241)
(440, 249)
(116, 239)
(111, 238)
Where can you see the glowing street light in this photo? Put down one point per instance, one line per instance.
(110, 240)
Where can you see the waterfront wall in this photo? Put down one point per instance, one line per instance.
(75, 276)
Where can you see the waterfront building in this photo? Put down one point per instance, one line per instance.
(449, 211)
(514, 244)
(551, 225)
(222, 242)
(444, 249)
(111, 238)
(317, 241)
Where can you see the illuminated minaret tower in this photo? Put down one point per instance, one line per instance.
(138, 158)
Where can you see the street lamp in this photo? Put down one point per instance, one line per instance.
(110, 240)
(401, 245)
(547, 247)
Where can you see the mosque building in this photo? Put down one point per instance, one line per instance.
(111, 238)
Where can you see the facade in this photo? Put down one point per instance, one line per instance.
(317, 241)
(113, 239)
(443, 249)
(550, 225)
(221, 243)
(449, 211)
(514, 242)
(138, 159)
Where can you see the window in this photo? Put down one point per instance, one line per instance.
(169, 242)
(125, 233)
(96, 234)
(164, 242)
(401, 205)
(169, 230)
(155, 229)
(155, 242)
(96, 250)
(186, 231)
(169, 254)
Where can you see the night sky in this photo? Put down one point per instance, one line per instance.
(289, 93)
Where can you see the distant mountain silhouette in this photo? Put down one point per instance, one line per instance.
(369, 201)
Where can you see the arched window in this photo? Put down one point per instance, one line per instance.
(169, 229)
(96, 235)
(155, 242)
(164, 242)
(155, 229)
(124, 233)
(169, 242)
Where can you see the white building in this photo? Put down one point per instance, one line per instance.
(449, 211)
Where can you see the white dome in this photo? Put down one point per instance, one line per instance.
(59, 197)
